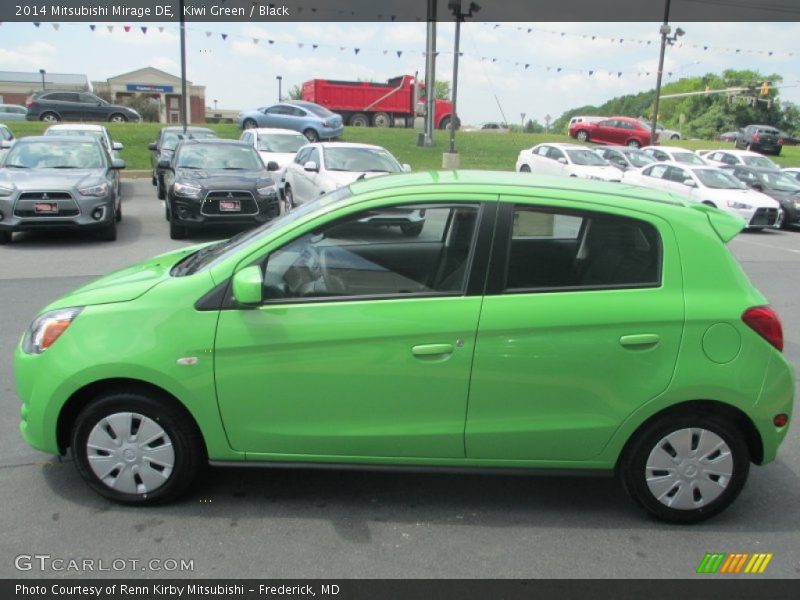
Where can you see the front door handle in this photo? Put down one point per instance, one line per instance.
(640, 340)
(432, 349)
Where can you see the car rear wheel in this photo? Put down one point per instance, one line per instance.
(177, 232)
(675, 136)
(686, 468)
(359, 120)
(411, 229)
(524, 169)
(634, 144)
(582, 136)
(118, 118)
(249, 124)
(288, 199)
(49, 117)
(382, 119)
(136, 449)
(118, 215)
(109, 232)
(311, 135)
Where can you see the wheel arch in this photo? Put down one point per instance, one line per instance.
(736, 416)
(84, 396)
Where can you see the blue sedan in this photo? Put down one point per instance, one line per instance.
(312, 120)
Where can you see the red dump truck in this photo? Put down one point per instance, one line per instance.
(363, 103)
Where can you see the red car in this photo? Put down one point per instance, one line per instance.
(618, 131)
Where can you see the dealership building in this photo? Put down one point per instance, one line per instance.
(162, 87)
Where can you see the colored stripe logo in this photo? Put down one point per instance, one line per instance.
(734, 563)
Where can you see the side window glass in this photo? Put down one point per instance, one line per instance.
(563, 251)
(388, 252)
(302, 156)
(657, 171)
(542, 150)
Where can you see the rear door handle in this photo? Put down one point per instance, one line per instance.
(432, 349)
(640, 340)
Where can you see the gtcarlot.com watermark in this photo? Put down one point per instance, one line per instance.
(57, 564)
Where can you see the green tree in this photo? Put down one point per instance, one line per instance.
(295, 92)
(442, 90)
(533, 126)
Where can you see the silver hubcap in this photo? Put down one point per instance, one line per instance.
(689, 468)
(130, 453)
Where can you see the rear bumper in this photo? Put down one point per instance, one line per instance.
(777, 397)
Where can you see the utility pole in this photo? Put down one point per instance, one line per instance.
(42, 72)
(280, 94)
(522, 122)
(665, 39)
(430, 76)
(184, 99)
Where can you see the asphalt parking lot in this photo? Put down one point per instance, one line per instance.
(304, 523)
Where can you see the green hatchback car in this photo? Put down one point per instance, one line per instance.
(533, 324)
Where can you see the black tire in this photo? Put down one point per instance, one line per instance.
(311, 135)
(411, 229)
(709, 203)
(582, 136)
(49, 117)
(249, 124)
(177, 232)
(358, 120)
(382, 119)
(118, 118)
(675, 136)
(633, 469)
(167, 216)
(6, 237)
(109, 232)
(185, 438)
(118, 215)
(288, 199)
(633, 144)
(524, 169)
(161, 193)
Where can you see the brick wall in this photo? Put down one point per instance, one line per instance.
(197, 109)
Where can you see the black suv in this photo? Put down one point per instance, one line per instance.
(164, 147)
(52, 106)
(760, 138)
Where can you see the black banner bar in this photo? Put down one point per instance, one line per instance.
(144, 11)
(745, 587)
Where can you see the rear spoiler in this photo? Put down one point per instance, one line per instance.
(726, 225)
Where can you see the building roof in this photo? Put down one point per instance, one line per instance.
(60, 79)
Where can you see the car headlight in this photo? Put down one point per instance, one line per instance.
(267, 190)
(738, 205)
(184, 189)
(100, 189)
(4, 191)
(47, 328)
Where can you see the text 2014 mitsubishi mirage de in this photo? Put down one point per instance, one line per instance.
(534, 323)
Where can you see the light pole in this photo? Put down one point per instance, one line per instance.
(215, 104)
(42, 72)
(450, 159)
(522, 122)
(184, 99)
(280, 79)
(665, 39)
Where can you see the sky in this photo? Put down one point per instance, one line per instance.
(494, 84)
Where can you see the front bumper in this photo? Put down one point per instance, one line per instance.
(74, 212)
(206, 211)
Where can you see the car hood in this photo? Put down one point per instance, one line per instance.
(49, 179)
(126, 284)
(601, 171)
(222, 179)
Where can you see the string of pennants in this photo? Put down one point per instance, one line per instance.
(312, 46)
(637, 41)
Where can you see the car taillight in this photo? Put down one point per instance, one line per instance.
(766, 323)
(780, 141)
(28, 102)
(755, 137)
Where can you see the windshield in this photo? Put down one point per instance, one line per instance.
(360, 159)
(277, 142)
(172, 138)
(320, 111)
(779, 181)
(218, 156)
(218, 252)
(586, 158)
(55, 155)
(718, 180)
(759, 161)
(98, 135)
(639, 158)
(689, 158)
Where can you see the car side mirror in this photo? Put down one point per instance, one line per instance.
(757, 186)
(164, 163)
(152, 146)
(273, 166)
(689, 183)
(311, 166)
(406, 168)
(248, 286)
(117, 146)
(117, 163)
(562, 160)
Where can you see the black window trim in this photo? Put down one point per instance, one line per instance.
(501, 251)
(475, 280)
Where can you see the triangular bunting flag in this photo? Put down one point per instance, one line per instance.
(224, 36)
(144, 30)
(56, 26)
(127, 28)
(314, 46)
(271, 41)
(208, 33)
(527, 65)
(92, 27)
(399, 53)
(161, 29)
(35, 24)
(356, 50)
(255, 41)
(110, 28)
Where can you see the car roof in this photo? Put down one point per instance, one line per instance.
(564, 146)
(76, 127)
(327, 145)
(49, 139)
(751, 168)
(669, 149)
(740, 152)
(218, 141)
(276, 130)
(616, 194)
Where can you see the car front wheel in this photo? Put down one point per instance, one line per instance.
(634, 144)
(311, 135)
(582, 136)
(288, 199)
(686, 468)
(118, 118)
(49, 117)
(136, 449)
